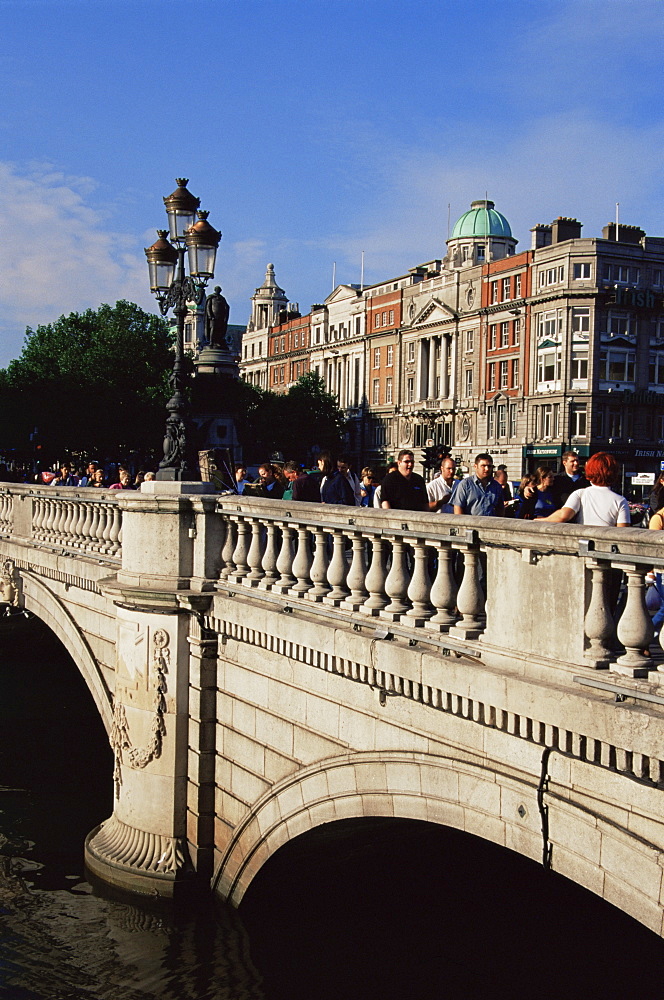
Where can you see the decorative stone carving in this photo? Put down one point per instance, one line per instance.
(9, 584)
(124, 845)
(120, 739)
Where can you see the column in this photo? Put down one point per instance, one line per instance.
(431, 387)
(444, 380)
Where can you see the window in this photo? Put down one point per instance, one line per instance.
(615, 422)
(377, 319)
(388, 390)
(581, 272)
(317, 334)
(517, 286)
(390, 356)
(616, 365)
(581, 320)
(656, 369)
(579, 366)
(479, 247)
(620, 325)
(548, 325)
(384, 319)
(512, 431)
(492, 337)
(507, 289)
(253, 350)
(517, 333)
(376, 392)
(621, 274)
(504, 334)
(376, 361)
(410, 389)
(468, 383)
(550, 420)
(391, 317)
(548, 366)
(470, 340)
(578, 421)
(492, 376)
(296, 341)
(515, 373)
(504, 375)
(411, 352)
(494, 291)
(489, 423)
(657, 278)
(551, 276)
(502, 420)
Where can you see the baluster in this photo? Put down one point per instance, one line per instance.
(470, 599)
(375, 581)
(444, 589)
(285, 561)
(116, 524)
(59, 520)
(270, 556)
(255, 557)
(66, 533)
(396, 584)
(49, 526)
(302, 563)
(419, 588)
(357, 575)
(37, 518)
(635, 629)
(319, 567)
(77, 523)
(108, 524)
(337, 571)
(94, 527)
(101, 527)
(227, 549)
(86, 530)
(241, 550)
(599, 626)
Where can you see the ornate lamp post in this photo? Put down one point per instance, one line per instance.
(190, 233)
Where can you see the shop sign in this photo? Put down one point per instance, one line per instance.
(643, 479)
(535, 451)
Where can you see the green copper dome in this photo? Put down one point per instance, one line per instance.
(481, 220)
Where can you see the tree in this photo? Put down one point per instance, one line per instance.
(94, 382)
(312, 419)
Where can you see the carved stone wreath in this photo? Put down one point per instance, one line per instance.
(120, 739)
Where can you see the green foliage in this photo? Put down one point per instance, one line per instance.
(93, 382)
(297, 423)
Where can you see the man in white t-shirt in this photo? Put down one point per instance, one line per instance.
(439, 490)
(597, 504)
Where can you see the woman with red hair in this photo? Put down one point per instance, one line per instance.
(597, 504)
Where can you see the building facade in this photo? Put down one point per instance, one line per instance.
(520, 354)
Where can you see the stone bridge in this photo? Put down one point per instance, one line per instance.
(264, 667)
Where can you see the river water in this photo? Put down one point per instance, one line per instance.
(382, 909)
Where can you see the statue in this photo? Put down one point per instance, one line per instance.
(216, 320)
(9, 583)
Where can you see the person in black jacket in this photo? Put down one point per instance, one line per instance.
(568, 480)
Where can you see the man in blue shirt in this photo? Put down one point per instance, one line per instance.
(479, 494)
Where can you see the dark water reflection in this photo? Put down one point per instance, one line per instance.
(378, 910)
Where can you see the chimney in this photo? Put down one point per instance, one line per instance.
(626, 234)
(541, 237)
(565, 229)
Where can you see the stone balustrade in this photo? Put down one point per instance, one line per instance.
(545, 591)
(531, 590)
(83, 520)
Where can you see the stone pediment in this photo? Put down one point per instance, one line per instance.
(434, 311)
(626, 342)
(342, 292)
(548, 343)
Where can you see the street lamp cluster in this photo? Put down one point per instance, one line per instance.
(192, 235)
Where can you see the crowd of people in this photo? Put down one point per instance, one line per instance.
(92, 474)
(587, 496)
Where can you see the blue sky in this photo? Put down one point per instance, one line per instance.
(311, 131)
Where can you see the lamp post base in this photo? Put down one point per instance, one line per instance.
(178, 475)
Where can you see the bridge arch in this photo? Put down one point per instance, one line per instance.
(43, 603)
(476, 797)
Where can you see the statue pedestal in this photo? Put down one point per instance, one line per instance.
(214, 361)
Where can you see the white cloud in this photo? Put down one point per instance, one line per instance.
(57, 254)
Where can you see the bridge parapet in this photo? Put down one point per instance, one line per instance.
(501, 589)
(83, 520)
